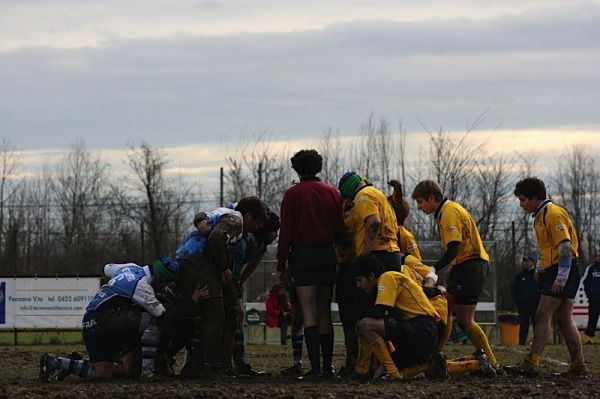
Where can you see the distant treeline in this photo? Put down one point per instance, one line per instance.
(75, 215)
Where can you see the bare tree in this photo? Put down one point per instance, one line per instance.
(258, 166)
(78, 185)
(10, 162)
(493, 188)
(577, 181)
(162, 201)
(330, 148)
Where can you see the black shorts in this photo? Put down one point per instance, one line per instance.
(312, 265)
(391, 261)
(415, 339)
(548, 276)
(466, 281)
(110, 332)
(345, 289)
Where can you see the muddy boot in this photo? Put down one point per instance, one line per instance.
(164, 366)
(194, 362)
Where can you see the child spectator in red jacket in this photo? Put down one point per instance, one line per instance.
(278, 311)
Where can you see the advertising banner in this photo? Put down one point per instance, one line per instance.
(45, 302)
(580, 308)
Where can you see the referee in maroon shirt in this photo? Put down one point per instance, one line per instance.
(311, 220)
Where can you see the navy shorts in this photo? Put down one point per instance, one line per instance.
(110, 332)
(312, 265)
(415, 339)
(547, 277)
(466, 281)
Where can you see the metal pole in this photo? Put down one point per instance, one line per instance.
(260, 165)
(514, 242)
(142, 249)
(221, 178)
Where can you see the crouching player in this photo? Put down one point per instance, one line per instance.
(402, 315)
(115, 321)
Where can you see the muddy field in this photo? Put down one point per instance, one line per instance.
(18, 379)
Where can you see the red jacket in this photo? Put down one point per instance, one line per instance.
(311, 214)
(276, 305)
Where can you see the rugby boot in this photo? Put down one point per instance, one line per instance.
(525, 368)
(48, 366)
(245, 369)
(484, 364)
(164, 365)
(293, 370)
(389, 378)
(310, 377)
(439, 367)
(578, 369)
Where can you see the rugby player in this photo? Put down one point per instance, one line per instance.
(557, 274)
(465, 254)
(311, 221)
(116, 318)
(402, 315)
(406, 239)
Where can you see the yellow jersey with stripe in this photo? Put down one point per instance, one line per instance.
(552, 226)
(401, 292)
(370, 201)
(456, 224)
(407, 242)
(418, 272)
(420, 269)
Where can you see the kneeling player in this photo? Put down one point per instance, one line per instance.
(402, 315)
(115, 320)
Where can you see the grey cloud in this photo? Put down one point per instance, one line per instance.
(530, 70)
(208, 4)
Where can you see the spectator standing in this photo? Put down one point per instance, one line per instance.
(278, 311)
(526, 295)
(591, 285)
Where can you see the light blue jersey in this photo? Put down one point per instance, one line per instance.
(130, 281)
(195, 242)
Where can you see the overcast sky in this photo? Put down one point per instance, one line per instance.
(193, 74)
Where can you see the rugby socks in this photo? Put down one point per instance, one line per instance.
(380, 349)
(238, 347)
(460, 367)
(312, 338)
(464, 358)
(363, 361)
(533, 359)
(579, 366)
(297, 342)
(479, 339)
(327, 350)
(83, 368)
(149, 342)
(415, 370)
(446, 336)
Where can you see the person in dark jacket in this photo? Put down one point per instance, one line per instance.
(526, 294)
(591, 286)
